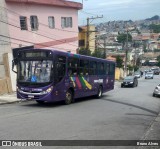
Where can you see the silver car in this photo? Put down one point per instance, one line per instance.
(149, 75)
(156, 91)
(137, 74)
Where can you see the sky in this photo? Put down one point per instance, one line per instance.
(117, 10)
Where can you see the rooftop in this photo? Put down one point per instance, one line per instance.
(59, 3)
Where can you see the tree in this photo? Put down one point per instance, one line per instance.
(138, 61)
(144, 47)
(84, 51)
(99, 54)
(119, 61)
(158, 58)
(136, 68)
(122, 38)
(155, 28)
(130, 68)
(136, 44)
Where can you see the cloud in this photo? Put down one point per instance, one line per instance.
(115, 2)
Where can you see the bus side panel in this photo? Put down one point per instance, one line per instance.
(83, 86)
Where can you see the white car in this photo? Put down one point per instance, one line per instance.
(149, 75)
(156, 91)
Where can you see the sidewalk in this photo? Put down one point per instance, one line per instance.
(152, 134)
(8, 98)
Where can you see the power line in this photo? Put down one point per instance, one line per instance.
(29, 42)
(35, 32)
(32, 31)
(12, 42)
(38, 22)
(88, 22)
(88, 13)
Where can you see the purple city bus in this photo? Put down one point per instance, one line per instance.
(46, 75)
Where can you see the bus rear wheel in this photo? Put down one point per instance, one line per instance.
(100, 91)
(69, 97)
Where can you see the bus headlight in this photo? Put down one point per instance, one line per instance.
(49, 89)
(18, 89)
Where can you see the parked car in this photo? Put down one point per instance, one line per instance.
(149, 75)
(156, 71)
(137, 74)
(131, 81)
(156, 91)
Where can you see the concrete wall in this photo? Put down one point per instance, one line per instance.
(92, 38)
(4, 42)
(2, 72)
(7, 58)
(119, 73)
(151, 54)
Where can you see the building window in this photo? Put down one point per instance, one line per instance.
(51, 23)
(23, 23)
(66, 22)
(34, 22)
(81, 43)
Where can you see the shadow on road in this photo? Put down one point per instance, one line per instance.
(55, 104)
(132, 105)
(140, 114)
(58, 104)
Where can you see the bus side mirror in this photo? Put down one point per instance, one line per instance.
(14, 62)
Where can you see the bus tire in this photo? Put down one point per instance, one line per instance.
(40, 101)
(69, 97)
(100, 91)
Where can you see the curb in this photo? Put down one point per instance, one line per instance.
(7, 102)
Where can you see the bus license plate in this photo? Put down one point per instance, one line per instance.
(30, 96)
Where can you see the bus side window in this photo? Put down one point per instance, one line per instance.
(84, 67)
(107, 68)
(112, 69)
(60, 68)
(93, 68)
(101, 69)
(73, 66)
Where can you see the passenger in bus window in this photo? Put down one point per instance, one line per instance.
(69, 71)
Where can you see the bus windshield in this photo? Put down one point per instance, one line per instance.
(37, 71)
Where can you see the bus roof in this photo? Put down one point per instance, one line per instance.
(69, 54)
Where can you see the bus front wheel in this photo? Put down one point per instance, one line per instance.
(100, 91)
(69, 97)
(40, 101)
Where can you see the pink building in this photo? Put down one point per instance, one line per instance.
(43, 23)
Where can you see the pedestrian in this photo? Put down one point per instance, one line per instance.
(141, 73)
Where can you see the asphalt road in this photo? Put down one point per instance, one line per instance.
(121, 114)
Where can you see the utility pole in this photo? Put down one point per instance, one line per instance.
(88, 29)
(104, 38)
(87, 34)
(126, 56)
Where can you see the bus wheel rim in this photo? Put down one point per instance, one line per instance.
(100, 92)
(68, 97)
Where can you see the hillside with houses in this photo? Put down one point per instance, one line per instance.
(144, 45)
